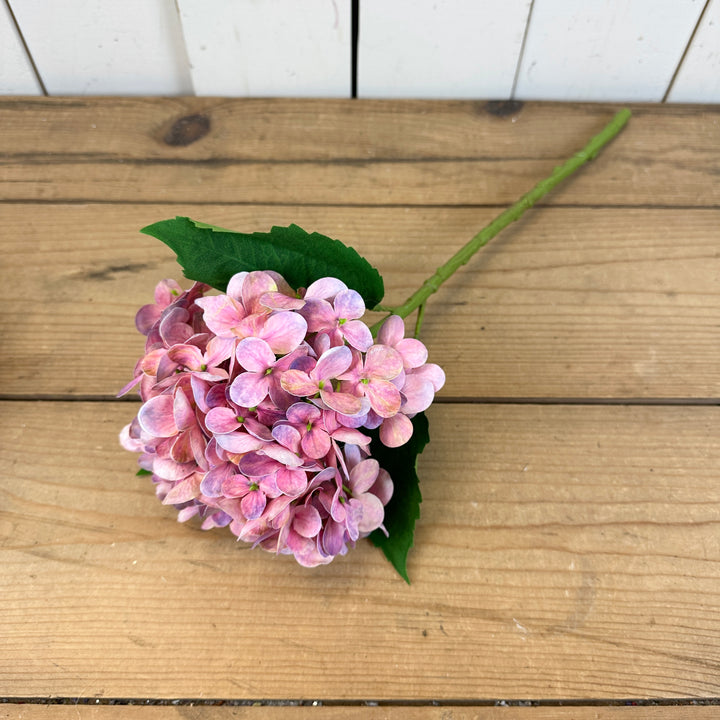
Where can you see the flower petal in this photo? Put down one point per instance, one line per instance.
(363, 475)
(384, 397)
(284, 331)
(221, 420)
(358, 334)
(396, 430)
(291, 482)
(249, 389)
(253, 504)
(349, 305)
(239, 442)
(156, 416)
(332, 363)
(255, 355)
(298, 383)
(392, 331)
(307, 521)
(383, 362)
(325, 288)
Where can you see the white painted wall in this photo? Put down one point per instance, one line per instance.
(606, 50)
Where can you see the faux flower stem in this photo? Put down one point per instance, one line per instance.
(513, 213)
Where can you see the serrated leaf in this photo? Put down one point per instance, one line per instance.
(213, 255)
(404, 507)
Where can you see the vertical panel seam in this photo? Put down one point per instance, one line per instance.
(685, 52)
(354, 41)
(521, 55)
(27, 49)
(186, 54)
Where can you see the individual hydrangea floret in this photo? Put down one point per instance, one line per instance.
(254, 406)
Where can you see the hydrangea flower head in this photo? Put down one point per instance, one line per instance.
(254, 406)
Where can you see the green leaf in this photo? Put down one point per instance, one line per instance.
(142, 472)
(404, 507)
(213, 255)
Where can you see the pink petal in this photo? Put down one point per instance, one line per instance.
(235, 285)
(307, 521)
(174, 329)
(146, 317)
(166, 292)
(384, 397)
(348, 435)
(221, 420)
(291, 482)
(256, 284)
(319, 314)
(383, 487)
(413, 352)
(219, 349)
(239, 442)
(316, 443)
(280, 301)
(184, 491)
(189, 356)
(332, 363)
(433, 373)
(222, 314)
(392, 331)
(363, 476)
(255, 465)
(183, 411)
(419, 394)
(249, 389)
(298, 383)
(236, 485)
(302, 413)
(346, 404)
(288, 436)
(358, 334)
(284, 331)
(257, 429)
(287, 457)
(396, 430)
(156, 416)
(325, 288)
(370, 513)
(255, 355)
(383, 362)
(333, 537)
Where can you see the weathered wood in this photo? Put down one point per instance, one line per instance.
(402, 712)
(347, 152)
(567, 303)
(563, 552)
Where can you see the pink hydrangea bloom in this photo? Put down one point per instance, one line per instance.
(254, 405)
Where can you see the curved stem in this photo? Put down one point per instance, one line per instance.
(513, 213)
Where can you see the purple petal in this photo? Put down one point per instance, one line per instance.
(349, 305)
(383, 487)
(212, 483)
(256, 465)
(302, 413)
(288, 436)
(333, 537)
(156, 416)
(146, 317)
(253, 504)
(173, 327)
(249, 389)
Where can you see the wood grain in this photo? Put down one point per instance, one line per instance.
(348, 152)
(563, 552)
(345, 712)
(571, 302)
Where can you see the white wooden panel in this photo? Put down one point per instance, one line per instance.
(441, 48)
(105, 47)
(604, 49)
(699, 77)
(266, 48)
(16, 74)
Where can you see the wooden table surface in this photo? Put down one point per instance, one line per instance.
(567, 561)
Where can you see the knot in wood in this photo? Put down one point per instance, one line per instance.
(187, 130)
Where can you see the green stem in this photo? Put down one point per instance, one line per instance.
(513, 213)
(419, 319)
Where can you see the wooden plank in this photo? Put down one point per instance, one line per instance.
(308, 151)
(698, 79)
(569, 303)
(91, 47)
(252, 48)
(563, 552)
(454, 712)
(17, 76)
(609, 50)
(450, 49)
